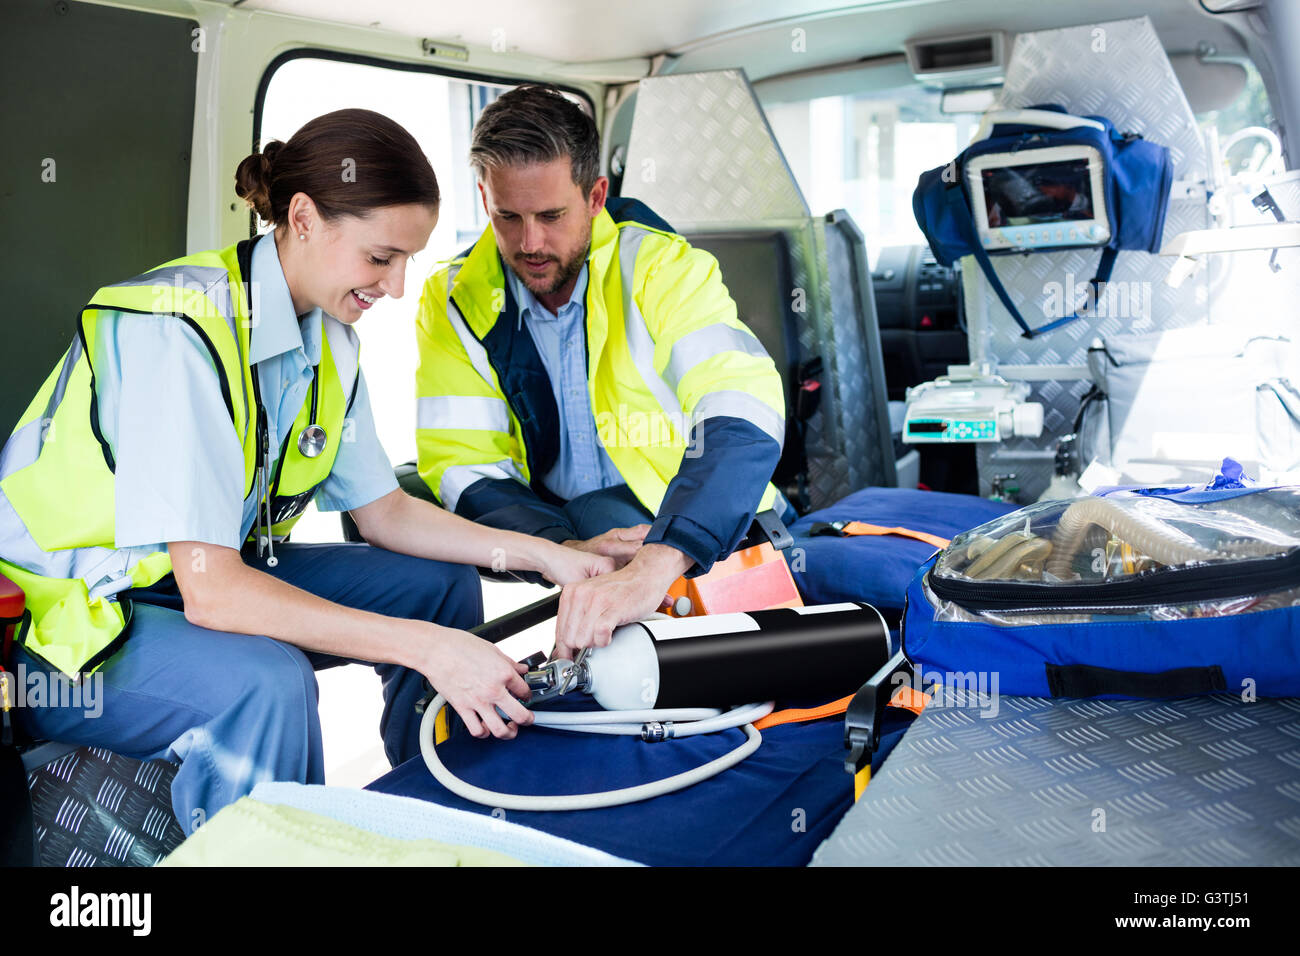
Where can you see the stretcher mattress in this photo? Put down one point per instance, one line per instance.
(1200, 781)
(773, 809)
(878, 568)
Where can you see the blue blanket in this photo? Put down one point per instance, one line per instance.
(777, 806)
(772, 809)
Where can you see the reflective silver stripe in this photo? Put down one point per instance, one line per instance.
(473, 348)
(103, 569)
(735, 404)
(639, 343)
(463, 411)
(182, 275)
(23, 447)
(65, 373)
(459, 477)
(212, 281)
(345, 347)
(703, 344)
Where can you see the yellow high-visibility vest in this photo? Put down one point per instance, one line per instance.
(57, 470)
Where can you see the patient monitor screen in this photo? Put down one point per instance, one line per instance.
(1038, 193)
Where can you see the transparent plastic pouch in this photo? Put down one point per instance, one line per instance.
(1143, 555)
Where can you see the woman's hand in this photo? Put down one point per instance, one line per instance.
(475, 678)
(621, 544)
(563, 565)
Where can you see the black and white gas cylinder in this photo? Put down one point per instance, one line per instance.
(665, 679)
(719, 660)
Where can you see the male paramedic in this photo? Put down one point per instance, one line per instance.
(583, 375)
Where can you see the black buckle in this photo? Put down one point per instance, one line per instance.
(866, 711)
(833, 529)
(766, 527)
(774, 529)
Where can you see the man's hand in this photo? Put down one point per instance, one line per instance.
(591, 609)
(621, 544)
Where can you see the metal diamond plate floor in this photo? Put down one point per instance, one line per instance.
(1203, 781)
(93, 807)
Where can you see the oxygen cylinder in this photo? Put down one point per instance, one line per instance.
(720, 660)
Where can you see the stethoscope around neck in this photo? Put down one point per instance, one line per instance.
(311, 444)
(312, 439)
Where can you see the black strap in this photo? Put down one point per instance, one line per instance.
(1078, 680)
(19, 627)
(958, 207)
(17, 828)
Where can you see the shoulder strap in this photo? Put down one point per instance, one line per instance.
(957, 206)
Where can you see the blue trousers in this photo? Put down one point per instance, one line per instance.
(238, 709)
(598, 511)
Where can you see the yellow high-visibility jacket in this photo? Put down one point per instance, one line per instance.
(687, 402)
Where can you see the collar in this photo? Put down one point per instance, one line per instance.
(528, 303)
(276, 329)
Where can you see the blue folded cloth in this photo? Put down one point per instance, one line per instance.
(877, 569)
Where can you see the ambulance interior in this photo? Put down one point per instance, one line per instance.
(786, 137)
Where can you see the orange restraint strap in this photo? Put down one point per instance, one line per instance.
(861, 527)
(905, 697)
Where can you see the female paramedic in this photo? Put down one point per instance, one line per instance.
(200, 407)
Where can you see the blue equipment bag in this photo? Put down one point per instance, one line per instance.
(1120, 194)
(1142, 593)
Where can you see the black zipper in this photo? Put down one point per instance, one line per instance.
(100, 656)
(1210, 582)
(94, 398)
(273, 490)
(113, 646)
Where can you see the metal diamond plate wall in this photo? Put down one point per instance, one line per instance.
(829, 469)
(1118, 70)
(848, 442)
(701, 151)
(1201, 781)
(702, 156)
(859, 377)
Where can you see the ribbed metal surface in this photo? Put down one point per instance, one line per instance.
(93, 807)
(1202, 781)
(859, 366)
(702, 156)
(700, 151)
(1118, 70)
(845, 445)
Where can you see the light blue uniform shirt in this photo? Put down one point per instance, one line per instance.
(180, 464)
(583, 464)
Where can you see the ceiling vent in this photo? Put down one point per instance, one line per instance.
(959, 60)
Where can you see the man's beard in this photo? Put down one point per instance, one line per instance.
(568, 271)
